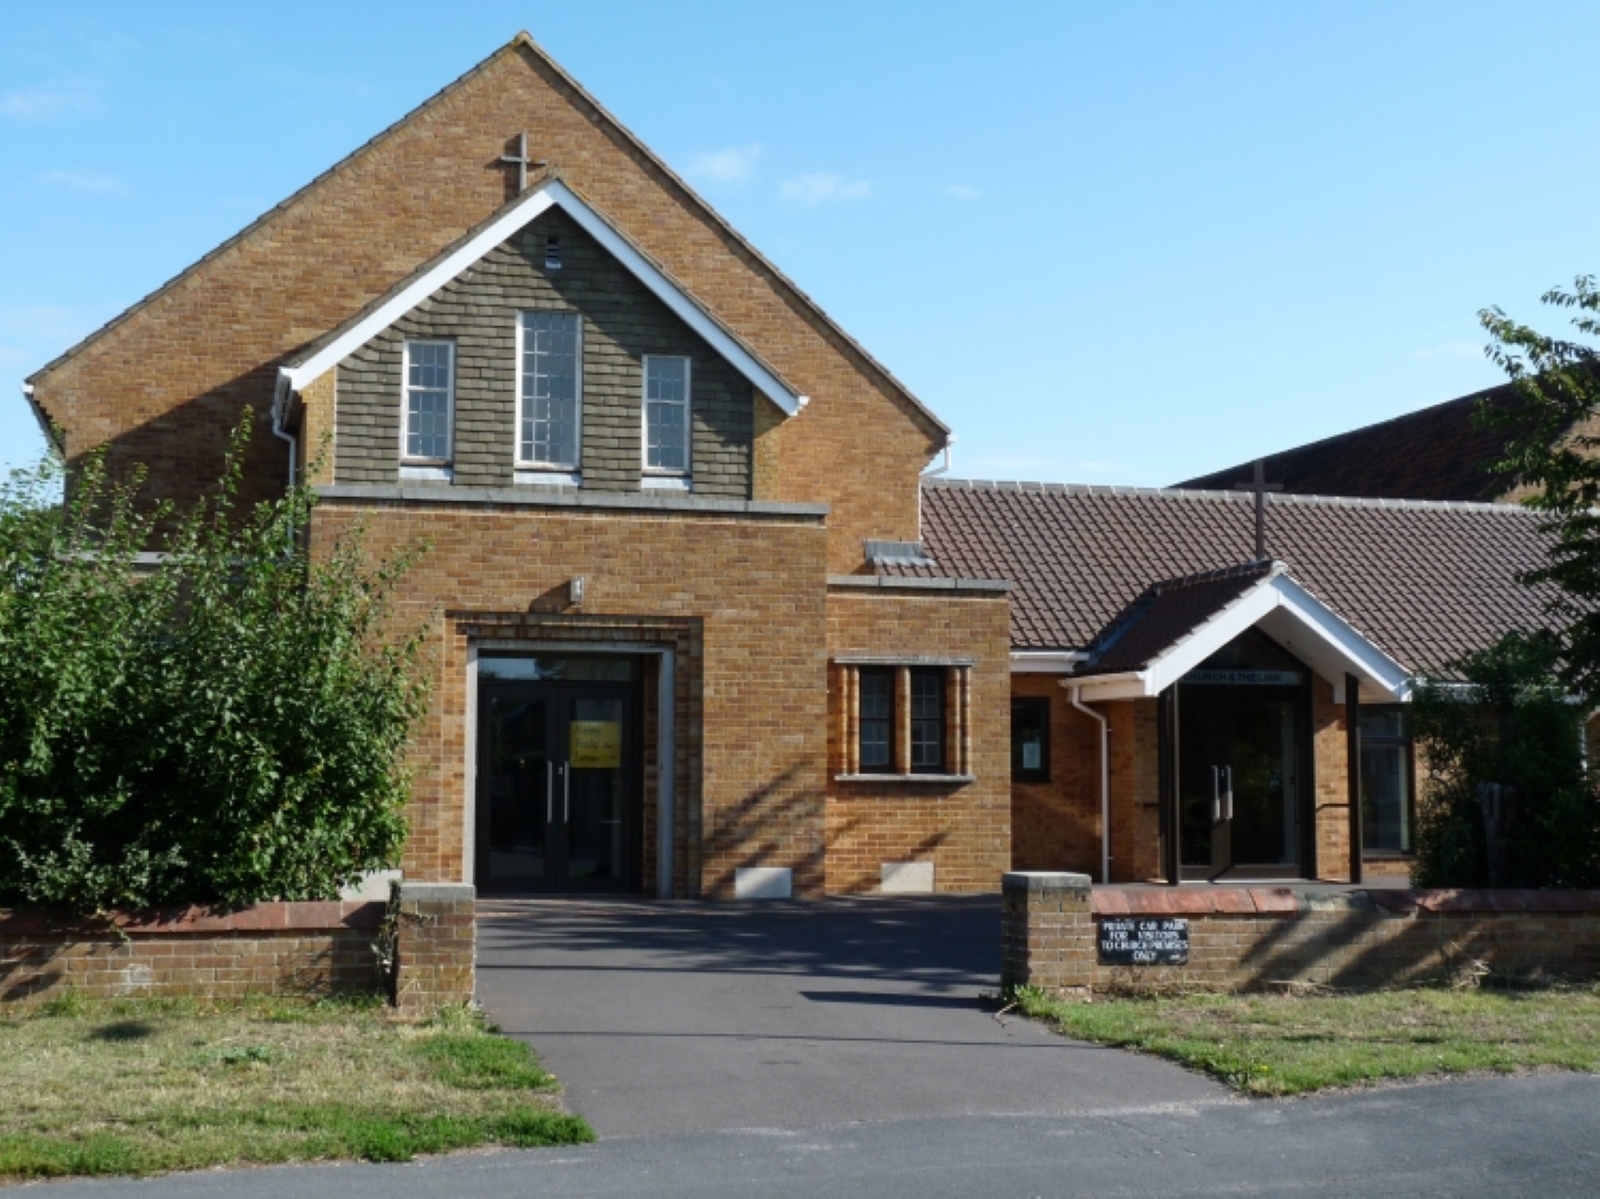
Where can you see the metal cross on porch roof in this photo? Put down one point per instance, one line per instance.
(1259, 485)
(521, 161)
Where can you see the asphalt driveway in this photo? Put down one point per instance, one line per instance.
(666, 1018)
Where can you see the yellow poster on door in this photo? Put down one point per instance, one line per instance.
(596, 744)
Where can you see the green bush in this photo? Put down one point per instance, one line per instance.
(224, 725)
(1509, 801)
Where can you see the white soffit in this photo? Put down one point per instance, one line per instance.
(553, 194)
(1046, 661)
(1291, 616)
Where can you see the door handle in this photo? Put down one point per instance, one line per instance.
(1227, 790)
(566, 793)
(549, 791)
(1216, 794)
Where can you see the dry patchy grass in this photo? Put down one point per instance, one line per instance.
(1288, 1044)
(138, 1087)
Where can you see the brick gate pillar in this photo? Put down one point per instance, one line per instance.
(435, 944)
(1047, 937)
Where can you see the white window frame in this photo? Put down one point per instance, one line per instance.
(666, 477)
(527, 471)
(405, 402)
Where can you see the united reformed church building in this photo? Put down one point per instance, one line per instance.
(701, 626)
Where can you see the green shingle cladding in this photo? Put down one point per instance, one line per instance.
(478, 310)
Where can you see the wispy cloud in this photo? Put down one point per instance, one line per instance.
(728, 165)
(963, 191)
(97, 182)
(1451, 349)
(48, 321)
(1005, 466)
(312, 83)
(811, 190)
(34, 105)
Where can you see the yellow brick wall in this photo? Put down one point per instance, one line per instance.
(963, 828)
(1332, 782)
(740, 601)
(1135, 790)
(1055, 824)
(316, 448)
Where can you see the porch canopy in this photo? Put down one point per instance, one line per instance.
(1177, 624)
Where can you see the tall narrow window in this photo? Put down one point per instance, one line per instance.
(666, 415)
(547, 433)
(927, 721)
(430, 390)
(877, 720)
(1385, 781)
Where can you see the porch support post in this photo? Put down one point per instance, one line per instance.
(1167, 764)
(1352, 737)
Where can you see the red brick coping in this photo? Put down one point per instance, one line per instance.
(256, 917)
(1205, 900)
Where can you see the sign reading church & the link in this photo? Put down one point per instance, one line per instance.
(1243, 678)
(1144, 941)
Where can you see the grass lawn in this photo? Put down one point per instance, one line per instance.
(1288, 1044)
(143, 1086)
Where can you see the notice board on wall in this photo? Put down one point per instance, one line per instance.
(1144, 941)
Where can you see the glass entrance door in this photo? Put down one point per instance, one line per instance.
(1240, 792)
(557, 775)
(593, 781)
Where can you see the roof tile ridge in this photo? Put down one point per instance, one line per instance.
(525, 40)
(1227, 497)
(1056, 488)
(1404, 505)
(267, 217)
(1260, 567)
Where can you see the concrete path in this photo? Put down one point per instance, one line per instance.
(682, 1018)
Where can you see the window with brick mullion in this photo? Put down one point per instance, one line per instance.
(903, 720)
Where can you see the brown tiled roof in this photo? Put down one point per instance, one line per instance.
(1425, 582)
(1168, 612)
(1438, 453)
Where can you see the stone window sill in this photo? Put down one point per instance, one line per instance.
(905, 778)
(426, 472)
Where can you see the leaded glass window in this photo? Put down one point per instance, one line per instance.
(877, 719)
(927, 721)
(548, 419)
(666, 414)
(430, 382)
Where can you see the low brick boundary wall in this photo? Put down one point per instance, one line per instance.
(419, 948)
(1242, 938)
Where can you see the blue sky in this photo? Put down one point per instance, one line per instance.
(1113, 243)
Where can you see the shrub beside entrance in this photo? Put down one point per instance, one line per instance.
(223, 722)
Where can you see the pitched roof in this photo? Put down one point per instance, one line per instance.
(1423, 582)
(1168, 612)
(1437, 453)
(596, 112)
(462, 254)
